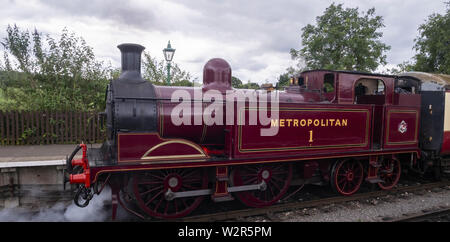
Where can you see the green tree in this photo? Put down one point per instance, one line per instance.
(292, 71)
(236, 82)
(156, 72)
(433, 44)
(343, 39)
(283, 80)
(51, 74)
(250, 85)
(406, 66)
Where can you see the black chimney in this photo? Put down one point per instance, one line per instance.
(131, 62)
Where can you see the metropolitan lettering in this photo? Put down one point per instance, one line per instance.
(329, 122)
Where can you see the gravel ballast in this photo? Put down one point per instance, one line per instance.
(384, 208)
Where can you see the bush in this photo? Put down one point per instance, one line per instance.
(61, 74)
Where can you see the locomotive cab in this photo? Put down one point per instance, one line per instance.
(317, 85)
(344, 87)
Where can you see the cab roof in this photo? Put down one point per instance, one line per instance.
(441, 80)
(351, 72)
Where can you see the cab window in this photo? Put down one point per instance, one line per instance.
(328, 83)
(369, 91)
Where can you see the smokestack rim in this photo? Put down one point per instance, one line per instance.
(130, 47)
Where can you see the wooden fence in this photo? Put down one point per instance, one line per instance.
(40, 127)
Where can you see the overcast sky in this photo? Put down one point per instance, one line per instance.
(254, 36)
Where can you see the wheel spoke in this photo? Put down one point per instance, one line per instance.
(271, 191)
(342, 180)
(345, 184)
(175, 205)
(151, 190)
(189, 174)
(250, 175)
(190, 186)
(251, 180)
(277, 179)
(275, 184)
(159, 203)
(156, 176)
(149, 182)
(153, 198)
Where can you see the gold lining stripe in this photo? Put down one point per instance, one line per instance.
(200, 151)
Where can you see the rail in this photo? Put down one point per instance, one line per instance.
(241, 213)
(425, 216)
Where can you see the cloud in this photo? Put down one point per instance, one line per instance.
(119, 12)
(253, 36)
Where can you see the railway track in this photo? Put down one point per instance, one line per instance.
(242, 213)
(439, 215)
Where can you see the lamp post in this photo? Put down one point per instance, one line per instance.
(168, 55)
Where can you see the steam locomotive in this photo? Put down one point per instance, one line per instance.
(168, 148)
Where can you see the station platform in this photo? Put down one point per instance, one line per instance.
(33, 174)
(36, 155)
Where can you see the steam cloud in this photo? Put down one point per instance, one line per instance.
(96, 211)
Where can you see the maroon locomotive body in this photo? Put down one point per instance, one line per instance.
(168, 148)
